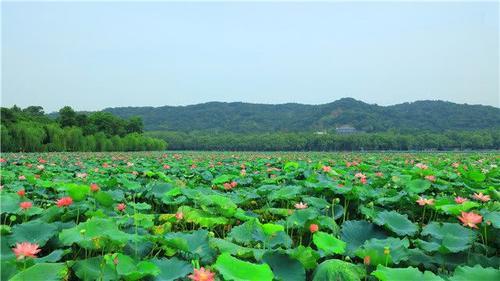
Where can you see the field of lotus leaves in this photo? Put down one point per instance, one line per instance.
(250, 216)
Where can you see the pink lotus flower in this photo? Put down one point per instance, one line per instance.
(326, 169)
(81, 175)
(42, 161)
(26, 250)
(233, 184)
(421, 166)
(22, 177)
(300, 206)
(179, 215)
(25, 205)
(227, 186)
(470, 219)
(363, 180)
(460, 200)
(481, 197)
(64, 202)
(202, 274)
(121, 207)
(359, 175)
(166, 167)
(21, 192)
(2, 160)
(94, 187)
(430, 178)
(105, 165)
(422, 201)
(313, 228)
(379, 174)
(455, 165)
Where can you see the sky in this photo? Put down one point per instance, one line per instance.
(93, 55)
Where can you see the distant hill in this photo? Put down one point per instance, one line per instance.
(291, 117)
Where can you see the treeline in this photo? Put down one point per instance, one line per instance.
(450, 140)
(30, 130)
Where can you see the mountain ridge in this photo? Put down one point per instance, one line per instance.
(427, 115)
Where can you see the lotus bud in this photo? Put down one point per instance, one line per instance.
(211, 234)
(387, 251)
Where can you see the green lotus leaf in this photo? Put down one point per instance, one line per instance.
(301, 218)
(55, 256)
(9, 268)
(284, 193)
(417, 186)
(196, 243)
(234, 269)
(94, 269)
(306, 255)
(328, 244)
(396, 222)
(290, 166)
(201, 217)
(355, 233)
(132, 270)
(9, 202)
(49, 271)
(77, 191)
(397, 274)
(467, 273)
(35, 231)
(315, 202)
(140, 206)
(493, 217)
(475, 175)
(221, 179)
(225, 246)
(338, 270)
(448, 237)
(171, 269)
(128, 184)
(270, 228)
(375, 249)
(224, 206)
(284, 267)
(104, 198)
(94, 233)
(248, 232)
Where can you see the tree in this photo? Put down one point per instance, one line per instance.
(134, 125)
(67, 117)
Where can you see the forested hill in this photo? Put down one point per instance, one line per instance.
(291, 117)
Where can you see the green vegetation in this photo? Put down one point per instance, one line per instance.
(450, 140)
(250, 216)
(237, 117)
(30, 130)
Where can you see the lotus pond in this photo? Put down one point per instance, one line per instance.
(250, 216)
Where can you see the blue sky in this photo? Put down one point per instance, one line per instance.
(104, 54)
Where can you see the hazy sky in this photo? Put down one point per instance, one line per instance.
(103, 54)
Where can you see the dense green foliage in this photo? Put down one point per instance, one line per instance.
(433, 116)
(30, 130)
(451, 140)
(250, 216)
